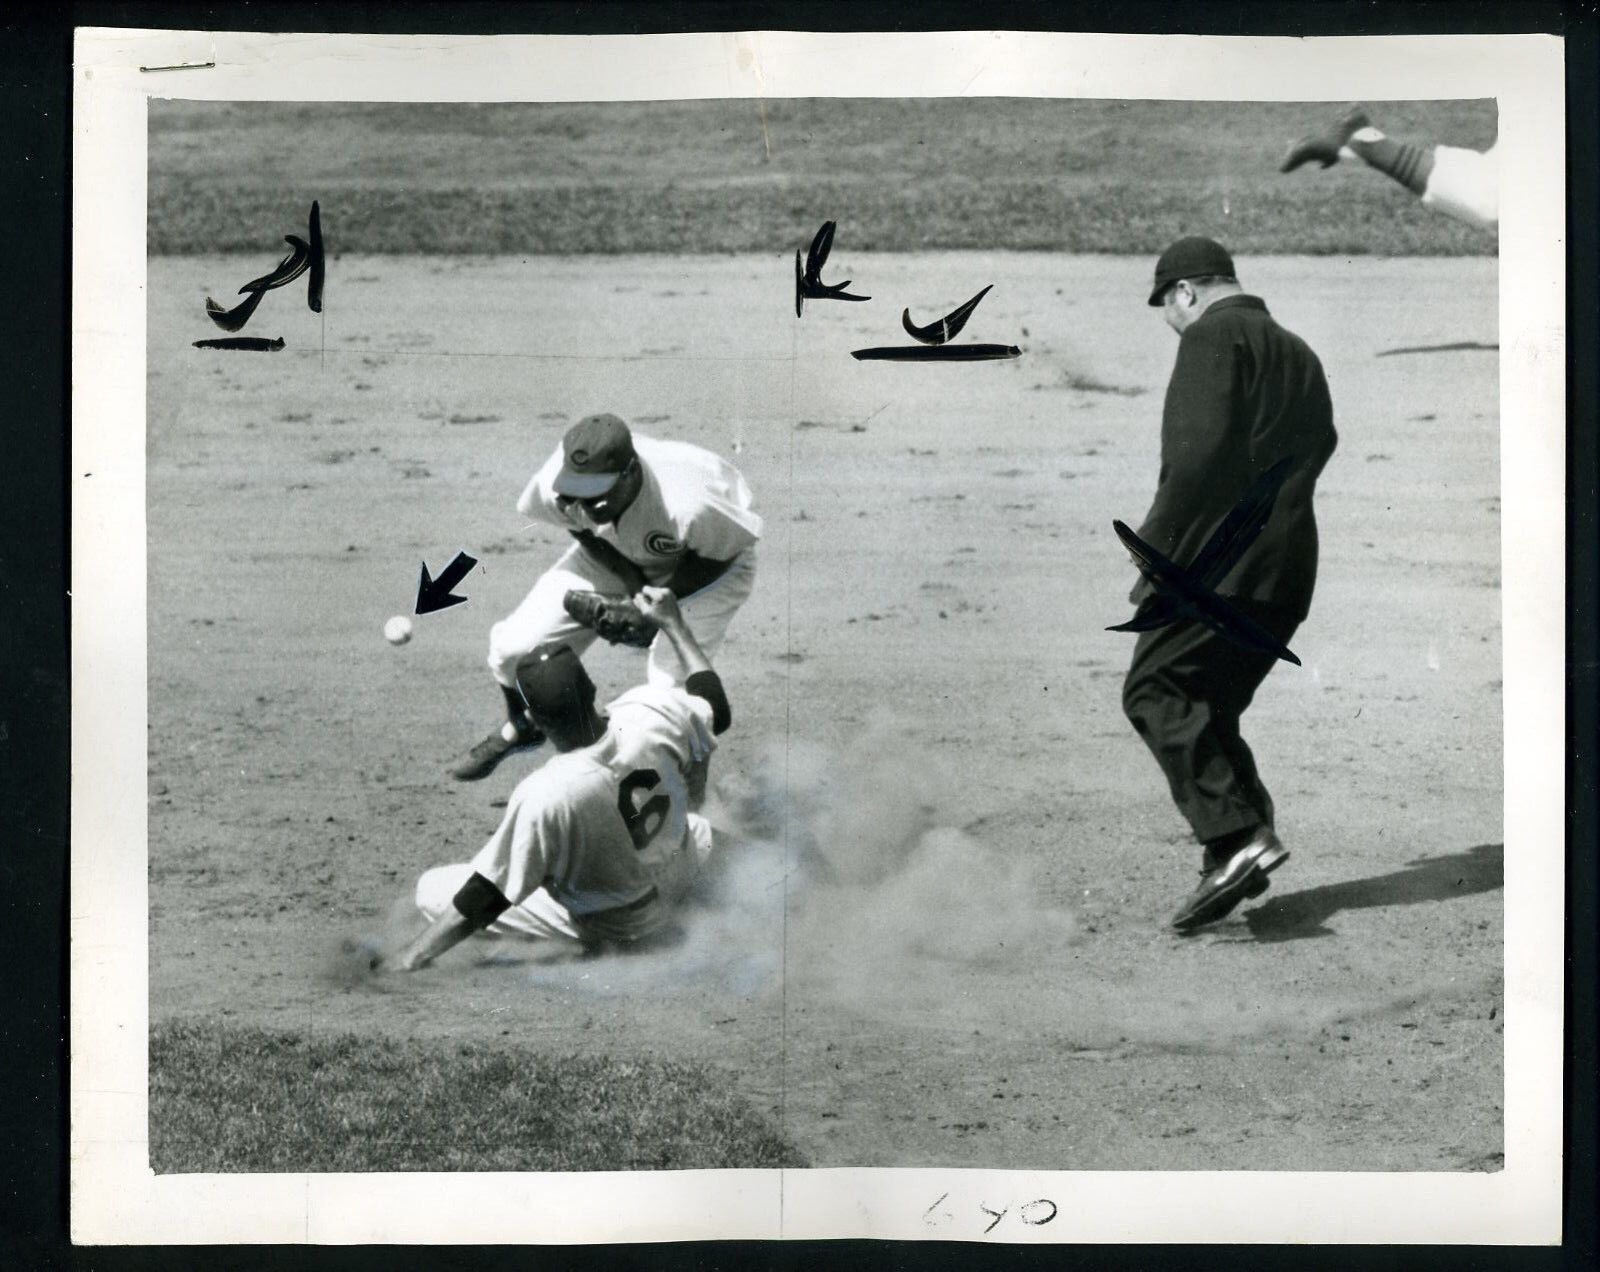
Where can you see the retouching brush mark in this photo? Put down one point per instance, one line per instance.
(936, 333)
(289, 268)
(259, 344)
(305, 255)
(808, 280)
(1189, 592)
(233, 319)
(934, 346)
(314, 283)
(937, 353)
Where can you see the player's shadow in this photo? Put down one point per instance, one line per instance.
(1296, 915)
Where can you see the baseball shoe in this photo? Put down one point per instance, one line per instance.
(484, 758)
(1223, 886)
(1258, 882)
(1324, 147)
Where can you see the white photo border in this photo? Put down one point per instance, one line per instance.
(116, 1199)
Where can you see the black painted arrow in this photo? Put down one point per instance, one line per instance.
(314, 285)
(936, 333)
(808, 284)
(434, 593)
(287, 270)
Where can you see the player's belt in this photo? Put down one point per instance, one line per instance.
(640, 904)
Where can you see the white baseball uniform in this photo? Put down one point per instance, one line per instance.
(690, 501)
(1465, 184)
(600, 842)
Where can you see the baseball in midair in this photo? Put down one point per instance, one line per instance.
(397, 631)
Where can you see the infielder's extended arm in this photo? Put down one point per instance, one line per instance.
(661, 606)
(700, 678)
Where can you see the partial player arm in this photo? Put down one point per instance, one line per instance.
(701, 679)
(629, 574)
(478, 904)
(695, 779)
(695, 572)
(505, 871)
(712, 540)
(538, 497)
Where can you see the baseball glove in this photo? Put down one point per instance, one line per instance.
(615, 619)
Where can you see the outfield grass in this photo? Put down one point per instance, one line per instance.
(226, 1098)
(715, 176)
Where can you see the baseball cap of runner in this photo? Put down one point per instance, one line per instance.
(596, 450)
(555, 686)
(1192, 257)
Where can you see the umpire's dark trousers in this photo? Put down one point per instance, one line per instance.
(1185, 691)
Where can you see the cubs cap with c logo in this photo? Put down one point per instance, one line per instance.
(1193, 257)
(596, 450)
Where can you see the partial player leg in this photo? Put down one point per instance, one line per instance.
(541, 621)
(1326, 147)
(1465, 184)
(513, 859)
(540, 916)
(1186, 690)
(1402, 161)
(1354, 135)
(677, 876)
(1249, 778)
(708, 613)
(1173, 696)
(1460, 183)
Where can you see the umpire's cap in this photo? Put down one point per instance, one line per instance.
(556, 687)
(596, 450)
(1192, 257)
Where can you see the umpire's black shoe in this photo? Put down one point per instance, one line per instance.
(484, 758)
(1242, 876)
(1324, 147)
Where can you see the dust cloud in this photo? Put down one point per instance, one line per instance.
(841, 873)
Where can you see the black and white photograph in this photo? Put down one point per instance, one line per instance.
(973, 638)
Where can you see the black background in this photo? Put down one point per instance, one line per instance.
(35, 119)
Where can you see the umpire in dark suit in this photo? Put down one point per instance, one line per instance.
(1244, 394)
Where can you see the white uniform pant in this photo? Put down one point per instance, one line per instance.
(1465, 184)
(539, 916)
(542, 621)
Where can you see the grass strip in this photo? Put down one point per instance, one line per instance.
(227, 1098)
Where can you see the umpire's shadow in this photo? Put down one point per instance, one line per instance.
(1302, 914)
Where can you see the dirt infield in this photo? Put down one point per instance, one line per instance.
(922, 691)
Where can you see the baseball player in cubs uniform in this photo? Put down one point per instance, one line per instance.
(1464, 184)
(642, 511)
(600, 843)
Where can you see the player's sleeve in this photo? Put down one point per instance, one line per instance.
(1197, 426)
(524, 847)
(479, 901)
(719, 529)
(689, 718)
(538, 498)
(708, 700)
